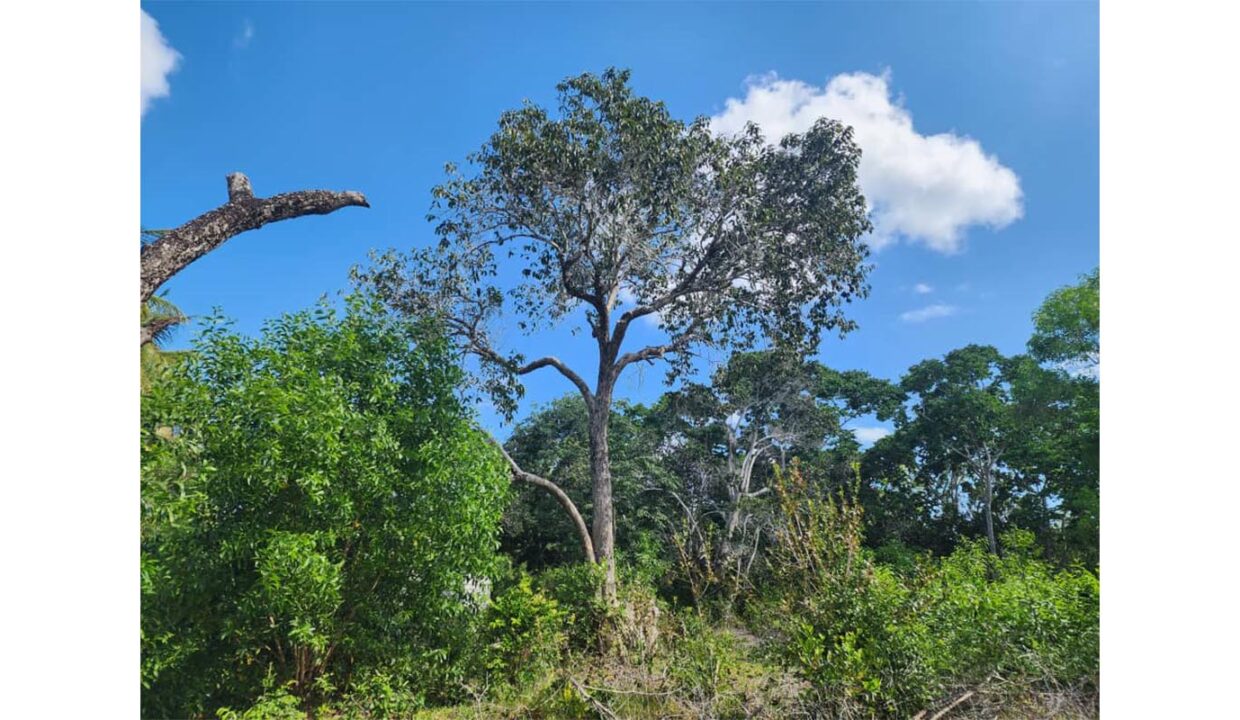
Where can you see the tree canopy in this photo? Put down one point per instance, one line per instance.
(619, 210)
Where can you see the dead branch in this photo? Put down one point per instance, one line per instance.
(943, 713)
(178, 248)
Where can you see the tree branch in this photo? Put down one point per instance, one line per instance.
(655, 352)
(178, 248)
(153, 327)
(565, 370)
(583, 532)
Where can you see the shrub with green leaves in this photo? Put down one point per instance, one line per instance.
(577, 590)
(525, 634)
(315, 505)
(874, 642)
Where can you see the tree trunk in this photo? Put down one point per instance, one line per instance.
(177, 248)
(990, 516)
(600, 471)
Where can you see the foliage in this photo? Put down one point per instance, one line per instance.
(525, 634)
(577, 590)
(554, 442)
(159, 312)
(617, 199)
(874, 643)
(1066, 326)
(721, 441)
(315, 513)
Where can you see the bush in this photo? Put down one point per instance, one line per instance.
(577, 590)
(876, 643)
(315, 503)
(524, 634)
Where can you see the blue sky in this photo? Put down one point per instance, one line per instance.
(978, 123)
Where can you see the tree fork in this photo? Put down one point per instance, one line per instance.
(178, 248)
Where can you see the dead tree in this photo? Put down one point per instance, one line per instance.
(177, 248)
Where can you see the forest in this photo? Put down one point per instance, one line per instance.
(329, 530)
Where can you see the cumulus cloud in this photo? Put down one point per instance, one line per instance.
(924, 188)
(929, 312)
(870, 435)
(923, 289)
(159, 60)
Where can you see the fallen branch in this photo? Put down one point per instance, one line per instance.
(943, 713)
(600, 707)
(177, 248)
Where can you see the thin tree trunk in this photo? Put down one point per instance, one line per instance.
(178, 248)
(990, 521)
(600, 472)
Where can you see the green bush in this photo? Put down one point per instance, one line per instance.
(577, 590)
(874, 642)
(525, 634)
(314, 503)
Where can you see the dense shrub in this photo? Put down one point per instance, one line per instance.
(315, 505)
(524, 635)
(877, 643)
(576, 588)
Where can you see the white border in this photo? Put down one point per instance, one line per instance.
(69, 511)
(1170, 490)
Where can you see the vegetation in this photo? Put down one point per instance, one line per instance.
(321, 515)
(327, 532)
(617, 204)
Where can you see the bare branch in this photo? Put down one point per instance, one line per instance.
(655, 352)
(566, 371)
(583, 533)
(178, 248)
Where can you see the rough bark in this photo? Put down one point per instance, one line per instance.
(600, 471)
(178, 248)
(154, 327)
(583, 533)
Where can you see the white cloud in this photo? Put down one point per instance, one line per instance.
(923, 289)
(159, 60)
(929, 312)
(870, 435)
(924, 188)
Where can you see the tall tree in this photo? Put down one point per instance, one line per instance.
(961, 428)
(618, 209)
(1059, 406)
(763, 407)
(1067, 325)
